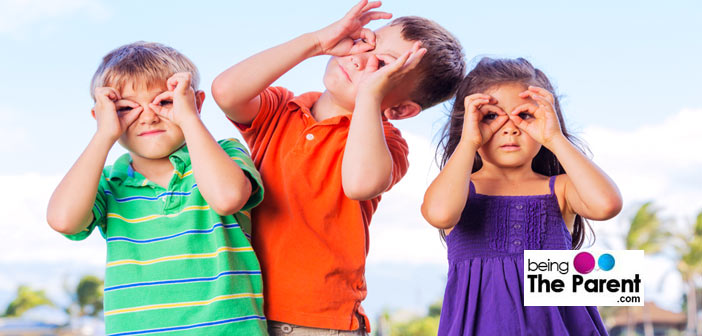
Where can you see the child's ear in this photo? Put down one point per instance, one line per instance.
(92, 112)
(199, 99)
(403, 110)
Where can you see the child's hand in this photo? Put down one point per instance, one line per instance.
(347, 36)
(178, 103)
(539, 121)
(113, 114)
(379, 80)
(481, 119)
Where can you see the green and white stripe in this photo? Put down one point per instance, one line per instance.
(175, 267)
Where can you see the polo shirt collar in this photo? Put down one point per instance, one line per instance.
(122, 168)
(304, 102)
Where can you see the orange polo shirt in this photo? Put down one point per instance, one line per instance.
(311, 240)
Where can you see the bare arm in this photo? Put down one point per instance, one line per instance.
(236, 90)
(589, 192)
(447, 195)
(221, 182)
(70, 206)
(366, 169)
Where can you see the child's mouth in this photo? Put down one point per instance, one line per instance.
(151, 132)
(510, 147)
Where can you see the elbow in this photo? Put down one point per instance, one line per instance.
(363, 190)
(219, 92)
(228, 207)
(61, 224)
(437, 218)
(608, 208)
(229, 203)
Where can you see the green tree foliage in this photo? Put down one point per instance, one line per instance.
(26, 299)
(422, 326)
(89, 294)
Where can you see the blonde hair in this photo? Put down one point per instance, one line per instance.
(148, 63)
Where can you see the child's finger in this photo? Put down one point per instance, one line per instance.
(543, 92)
(371, 16)
(492, 127)
(357, 9)
(415, 58)
(371, 5)
(541, 100)
(527, 107)
(518, 121)
(165, 95)
(372, 63)
(131, 116)
(108, 93)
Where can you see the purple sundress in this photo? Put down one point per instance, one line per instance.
(484, 291)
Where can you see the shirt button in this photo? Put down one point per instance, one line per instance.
(286, 328)
(519, 206)
(517, 242)
(309, 136)
(517, 226)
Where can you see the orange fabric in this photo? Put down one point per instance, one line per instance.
(311, 239)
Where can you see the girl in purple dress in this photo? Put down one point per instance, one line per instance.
(503, 189)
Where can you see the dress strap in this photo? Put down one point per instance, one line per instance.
(471, 189)
(552, 183)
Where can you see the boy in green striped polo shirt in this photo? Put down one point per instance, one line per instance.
(174, 211)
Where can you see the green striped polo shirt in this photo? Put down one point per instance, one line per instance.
(174, 266)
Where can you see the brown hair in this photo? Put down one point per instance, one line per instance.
(441, 68)
(149, 63)
(487, 74)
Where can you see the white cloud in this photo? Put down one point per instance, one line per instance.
(27, 238)
(17, 15)
(398, 232)
(13, 136)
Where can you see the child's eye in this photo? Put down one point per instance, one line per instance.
(165, 102)
(381, 63)
(124, 109)
(525, 115)
(490, 116)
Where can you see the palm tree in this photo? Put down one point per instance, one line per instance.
(689, 251)
(645, 233)
(26, 299)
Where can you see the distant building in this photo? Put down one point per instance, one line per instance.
(664, 322)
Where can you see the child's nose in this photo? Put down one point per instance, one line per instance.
(510, 128)
(148, 116)
(357, 62)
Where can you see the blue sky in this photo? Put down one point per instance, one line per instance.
(629, 74)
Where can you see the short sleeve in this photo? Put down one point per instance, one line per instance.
(257, 135)
(99, 213)
(240, 155)
(398, 150)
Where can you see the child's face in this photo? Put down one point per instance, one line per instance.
(509, 146)
(149, 136)
(342, 74)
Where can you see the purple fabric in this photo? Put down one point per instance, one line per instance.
(484, 292)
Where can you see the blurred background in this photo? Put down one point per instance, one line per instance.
(628, 73)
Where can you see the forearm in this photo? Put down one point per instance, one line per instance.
(70, 206)
(591, 192)
(366, 169)
(236, 88)
(221, 182)
(446, 197)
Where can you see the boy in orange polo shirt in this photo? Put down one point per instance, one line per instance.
(325, 158)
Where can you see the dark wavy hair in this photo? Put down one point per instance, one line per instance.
(487, 74)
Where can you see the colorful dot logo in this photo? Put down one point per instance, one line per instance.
(606, 262)
(584, 262)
